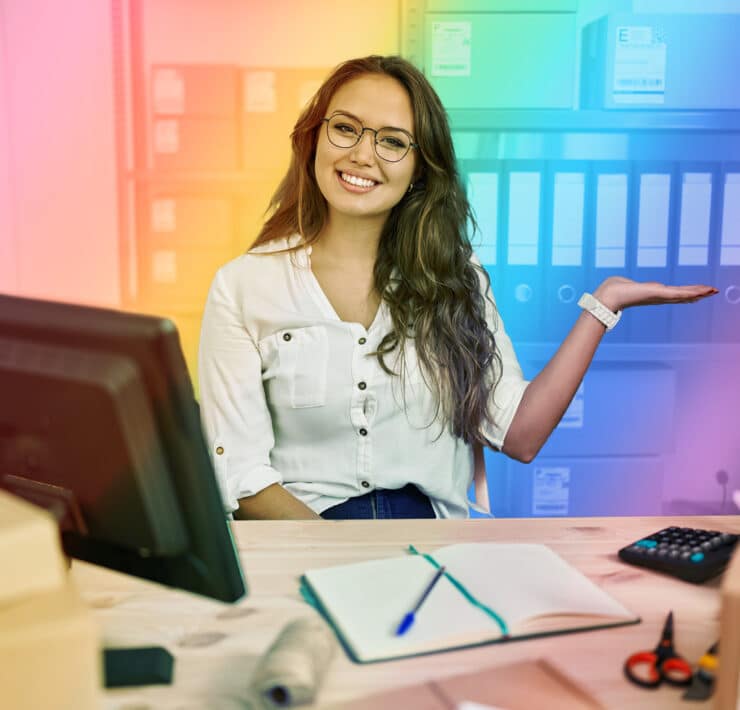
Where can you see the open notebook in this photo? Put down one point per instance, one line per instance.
(490, 592)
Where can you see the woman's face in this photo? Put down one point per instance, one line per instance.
(377, 101)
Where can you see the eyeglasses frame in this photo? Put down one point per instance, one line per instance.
(374, 131)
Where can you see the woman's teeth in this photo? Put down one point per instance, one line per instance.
(359, 182)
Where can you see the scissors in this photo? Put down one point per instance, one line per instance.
(649, 668)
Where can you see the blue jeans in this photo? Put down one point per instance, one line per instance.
(406, 502)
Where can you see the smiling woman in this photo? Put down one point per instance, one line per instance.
(354, 357)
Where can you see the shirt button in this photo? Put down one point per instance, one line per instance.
(363, 432)
(287, 337)
(365, 484)
(362, 385)
(219, 450)
(362, 341)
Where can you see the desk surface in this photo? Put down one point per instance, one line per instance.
(217, 645)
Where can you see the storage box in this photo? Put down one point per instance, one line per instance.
(177, 280)
(507, 58)
(620, 409)
(195, 144)
(570, 486)
(273, 100)
(661, 61)
(179, 220)
(195, 90)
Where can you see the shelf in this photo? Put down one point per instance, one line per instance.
(594, 121)
(641, 352)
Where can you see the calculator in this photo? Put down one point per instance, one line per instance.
(687, 553)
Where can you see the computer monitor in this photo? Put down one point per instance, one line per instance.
(99, 424)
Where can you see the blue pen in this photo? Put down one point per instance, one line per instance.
(407, 620)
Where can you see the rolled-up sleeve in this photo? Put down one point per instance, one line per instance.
(234, 412)
(508, 392)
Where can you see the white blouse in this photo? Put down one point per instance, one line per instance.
(289, 394)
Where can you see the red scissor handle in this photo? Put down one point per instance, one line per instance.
(642, 669)
(676, 671)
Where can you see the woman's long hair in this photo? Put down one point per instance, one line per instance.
(423, 269)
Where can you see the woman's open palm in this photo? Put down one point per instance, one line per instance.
(627, 293)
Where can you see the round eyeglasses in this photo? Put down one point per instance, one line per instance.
(391, 144)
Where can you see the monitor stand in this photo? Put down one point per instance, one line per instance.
(147, 665)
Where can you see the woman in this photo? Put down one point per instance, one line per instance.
(352, 359)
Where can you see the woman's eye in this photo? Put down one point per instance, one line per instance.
(394, 142)
(345, 128)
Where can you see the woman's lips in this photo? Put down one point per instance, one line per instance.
(353, 188)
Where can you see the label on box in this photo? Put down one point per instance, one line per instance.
(260, 92)
(451, 48)
(166, 136)
(163, 216)
(168, 91)
(639, 66)
(573, 417)
(164, 267)
(550, 490)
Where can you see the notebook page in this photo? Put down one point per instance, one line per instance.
(366, 602)
(520, 581)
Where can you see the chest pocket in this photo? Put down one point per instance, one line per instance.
(303, 355)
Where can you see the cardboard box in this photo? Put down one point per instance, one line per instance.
(273, 100)
(728, 690)
(48, 639)
(195, 90)
(177, 220)
(661, 61)
(177, 280)
(620, 409)
(502, 59)
(570, 486)
(195, 144)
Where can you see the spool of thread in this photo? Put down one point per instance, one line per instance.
(291, 671)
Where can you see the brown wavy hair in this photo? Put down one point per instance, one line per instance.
(423, 268)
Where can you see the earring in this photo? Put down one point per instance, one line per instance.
(411, 187)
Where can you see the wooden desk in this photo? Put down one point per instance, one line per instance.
(216, 645)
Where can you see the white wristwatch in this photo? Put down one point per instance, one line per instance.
(599, 311)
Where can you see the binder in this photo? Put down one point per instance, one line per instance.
(651, 221)
(697, 221)
(521, 296)
(564, 278)
(608, 224)
(483, 188)
(726, 304)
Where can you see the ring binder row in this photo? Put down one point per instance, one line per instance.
(550, 230)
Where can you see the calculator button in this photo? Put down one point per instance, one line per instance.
(648, 544)
(697, 557)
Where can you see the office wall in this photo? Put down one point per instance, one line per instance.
(8, 268)
(62, 219)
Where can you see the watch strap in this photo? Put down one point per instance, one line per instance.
(598, 310)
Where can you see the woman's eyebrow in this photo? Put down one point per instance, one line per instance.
(358, 119)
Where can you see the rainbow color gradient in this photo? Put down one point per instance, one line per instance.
(140, 143)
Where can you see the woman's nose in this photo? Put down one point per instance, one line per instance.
(364, 149)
